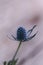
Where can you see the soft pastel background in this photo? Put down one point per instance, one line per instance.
(26, 13)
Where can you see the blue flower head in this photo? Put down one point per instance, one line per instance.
(22, 34)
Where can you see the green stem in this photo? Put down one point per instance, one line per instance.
(17, 50)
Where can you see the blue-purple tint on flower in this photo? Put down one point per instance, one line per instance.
(22, 34)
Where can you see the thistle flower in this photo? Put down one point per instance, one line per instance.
(22, 34)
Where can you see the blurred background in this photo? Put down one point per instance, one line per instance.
(24, 13)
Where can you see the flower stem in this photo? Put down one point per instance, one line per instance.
(17, 50)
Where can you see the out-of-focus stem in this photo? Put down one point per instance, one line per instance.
(17, 50)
